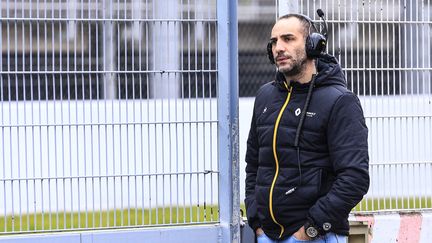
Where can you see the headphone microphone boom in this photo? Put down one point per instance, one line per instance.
(321, 15)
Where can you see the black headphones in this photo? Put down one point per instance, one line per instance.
(316, 42)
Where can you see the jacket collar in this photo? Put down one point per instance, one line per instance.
(329, 73)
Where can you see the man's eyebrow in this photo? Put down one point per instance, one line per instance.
(287, 35)
(282, 36)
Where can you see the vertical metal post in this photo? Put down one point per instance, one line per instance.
(137, 9)
(72, 14)
(109, 53)
(166, 49)
(425, 47)
(227, 61)
(417, 44)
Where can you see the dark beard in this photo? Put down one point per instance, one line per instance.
(296, 69)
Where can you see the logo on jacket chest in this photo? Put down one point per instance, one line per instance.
(297, 112)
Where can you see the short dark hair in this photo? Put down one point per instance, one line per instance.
(307, 24)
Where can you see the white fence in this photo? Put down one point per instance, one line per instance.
(119, 114)
(400, 129)
(100, 155)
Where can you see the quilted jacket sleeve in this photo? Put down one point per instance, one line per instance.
(251, 173)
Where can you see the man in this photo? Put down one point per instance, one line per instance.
(307, 152)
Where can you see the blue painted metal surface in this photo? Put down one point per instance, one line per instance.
(178, 234)
(228, 121)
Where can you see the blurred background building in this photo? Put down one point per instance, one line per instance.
(96, 50)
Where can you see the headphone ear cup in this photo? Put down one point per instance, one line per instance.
(315, 45)
(270, 53)
(309, 47)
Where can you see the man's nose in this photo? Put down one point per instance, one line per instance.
(279, 47)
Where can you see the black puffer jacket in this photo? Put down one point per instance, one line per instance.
(332, 155)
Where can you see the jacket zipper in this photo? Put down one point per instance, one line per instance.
(276, 158)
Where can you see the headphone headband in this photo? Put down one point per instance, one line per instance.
(300, 16)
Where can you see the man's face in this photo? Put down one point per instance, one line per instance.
(288, 46)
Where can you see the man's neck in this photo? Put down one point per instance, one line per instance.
(306, 75)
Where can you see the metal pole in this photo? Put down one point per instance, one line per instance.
(425, 48)
(166, 50)
(227, 59)
(137, 10)
(109, 53)
(417, 43)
